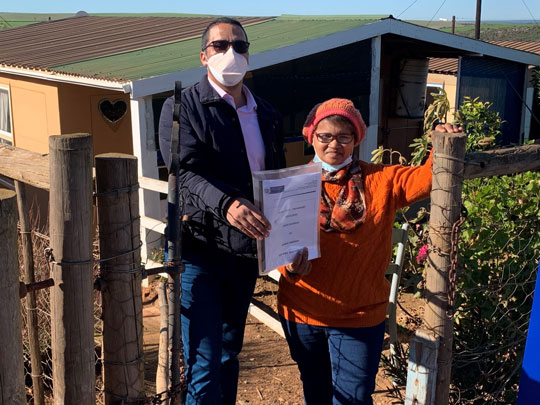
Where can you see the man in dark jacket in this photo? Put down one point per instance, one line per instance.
(226, 133)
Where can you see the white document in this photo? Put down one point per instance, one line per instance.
(289, 199)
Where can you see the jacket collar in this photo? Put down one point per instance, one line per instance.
(207, 94)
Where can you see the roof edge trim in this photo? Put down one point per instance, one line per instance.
(456, 41)
(65, 78)
(160, 84)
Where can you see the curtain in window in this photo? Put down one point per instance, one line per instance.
(5, 121)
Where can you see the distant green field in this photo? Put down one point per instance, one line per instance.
(470, 26)
(502, 32)
(489, 31)
(13, 24)
(12, 20)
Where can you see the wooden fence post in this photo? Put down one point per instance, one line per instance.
(175, 333)
(72, 315)
(31, 305)
(119, 238)
(449, 152)
(422, 369)
(162, 374)
(11, 354)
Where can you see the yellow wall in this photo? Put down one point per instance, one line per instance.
(294, 154)
(42, 108)
(449, 83)
(79, 112)
(34, 108)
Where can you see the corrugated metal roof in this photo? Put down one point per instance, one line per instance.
(450, 65)
(446, 66)
(43, 45)
(183, 55)
(527, 46)
(134, 48)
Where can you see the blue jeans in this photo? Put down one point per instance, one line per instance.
(337, 365)
(216, 292)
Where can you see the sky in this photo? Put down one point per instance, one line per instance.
(404, 9)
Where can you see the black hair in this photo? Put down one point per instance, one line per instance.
(340, 120)
(220, 20)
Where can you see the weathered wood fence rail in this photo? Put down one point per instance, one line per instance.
(69, 160)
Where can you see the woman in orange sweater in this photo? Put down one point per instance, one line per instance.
(333, 308)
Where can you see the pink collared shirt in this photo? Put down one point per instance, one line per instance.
(247, 115)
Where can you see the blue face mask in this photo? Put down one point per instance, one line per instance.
(329, 167)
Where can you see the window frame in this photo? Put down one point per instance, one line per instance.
(4, 135)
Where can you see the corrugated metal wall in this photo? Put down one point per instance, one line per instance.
(296, 86)
(501, 83)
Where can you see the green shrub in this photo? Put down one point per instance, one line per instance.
(499, 249)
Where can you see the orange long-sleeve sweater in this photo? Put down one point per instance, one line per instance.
(347, 286)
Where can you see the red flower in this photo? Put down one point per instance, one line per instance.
(422, 254)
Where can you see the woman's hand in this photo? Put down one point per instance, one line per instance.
(447, 127)
(300, 265)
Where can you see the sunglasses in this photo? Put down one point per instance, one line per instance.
(222, 45)
(343, 139)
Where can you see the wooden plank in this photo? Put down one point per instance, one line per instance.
(71, 230)
(369, 143)
(422, 369)
(142, 124)
(148, 183)
(118, 219)
(11, 354)
(31, 303)
(153, 224)
(449, 153)
(24, 166)
(270, 321)
(500, 162)
(162, 373)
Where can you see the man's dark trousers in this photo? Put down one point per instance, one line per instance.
(216, 292)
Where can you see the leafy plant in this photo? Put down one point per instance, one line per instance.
(481, 125)
(157, 255)
(438, 110)
(499, 248)
(378, 156)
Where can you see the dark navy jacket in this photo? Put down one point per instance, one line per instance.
(214, 168)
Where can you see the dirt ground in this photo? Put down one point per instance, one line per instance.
(267, 373)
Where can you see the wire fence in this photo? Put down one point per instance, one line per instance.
(498, 254)
(40, 242)
(42, 271)
(499, 248)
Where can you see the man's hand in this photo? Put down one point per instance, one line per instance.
(300, 265)
(451, 128)
(246, 217)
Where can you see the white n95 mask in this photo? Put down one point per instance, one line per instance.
(228, 68)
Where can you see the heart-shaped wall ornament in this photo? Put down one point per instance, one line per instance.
(112, 111)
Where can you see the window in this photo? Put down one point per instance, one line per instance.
(6, 128)
(432, 88)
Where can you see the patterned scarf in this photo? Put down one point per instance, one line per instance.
(348, 212)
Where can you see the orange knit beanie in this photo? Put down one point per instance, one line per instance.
(334, 106)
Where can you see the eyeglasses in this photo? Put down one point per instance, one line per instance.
(343, 139)
(222, 45)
